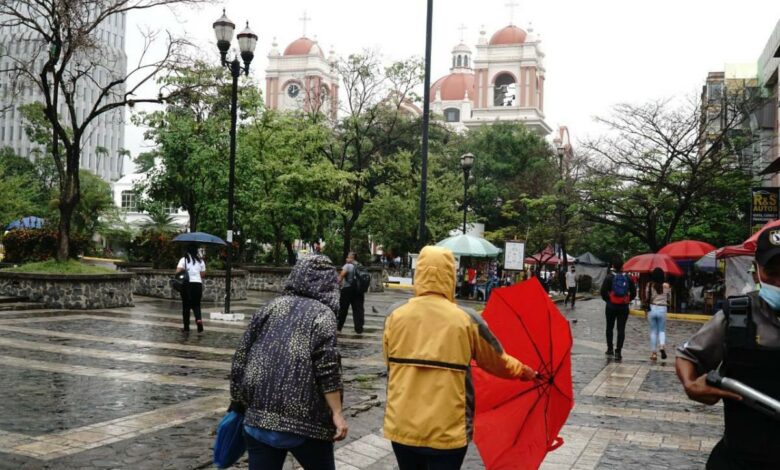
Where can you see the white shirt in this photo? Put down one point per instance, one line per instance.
(193, 269)
(571, 280)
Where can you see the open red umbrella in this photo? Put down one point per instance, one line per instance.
(750, 243)
(517, 423)
(687, 249)
(647, 262)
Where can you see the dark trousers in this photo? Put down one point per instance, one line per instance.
(621, 315)
(355, 298)
(313, 454)
(572, 292)
(190, 300)
(425, 458)
(721, 458)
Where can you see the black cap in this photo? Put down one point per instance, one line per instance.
(768, 245)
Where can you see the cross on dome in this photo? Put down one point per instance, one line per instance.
(511, 5)
(462, 28)
(304, 19)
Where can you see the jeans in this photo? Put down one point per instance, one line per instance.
(572, 292)
(425, 458)
(621, 315)
(190, 300)
(314, 454)
(355, 298)
(657, 318)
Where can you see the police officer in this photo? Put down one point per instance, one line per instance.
(743, 340)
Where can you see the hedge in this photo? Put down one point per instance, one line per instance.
(27, 245)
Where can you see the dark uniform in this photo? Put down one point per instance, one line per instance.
(745, 343)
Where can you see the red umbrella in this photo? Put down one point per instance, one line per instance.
(750, 243)
(647, 262)
(687, 249)
(516, 423)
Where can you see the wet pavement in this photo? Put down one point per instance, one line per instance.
(124, 388)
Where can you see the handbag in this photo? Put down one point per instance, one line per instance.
(180, 280)
(229, 445)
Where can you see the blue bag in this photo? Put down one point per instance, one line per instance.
(229, 445)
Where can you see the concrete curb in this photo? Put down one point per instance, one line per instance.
(692, 317)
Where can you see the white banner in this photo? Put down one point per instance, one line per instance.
(514, 255)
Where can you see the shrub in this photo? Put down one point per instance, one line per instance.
(154, 247)
(26, 245)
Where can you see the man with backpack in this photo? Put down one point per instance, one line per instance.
(355, 282)
(618, 290)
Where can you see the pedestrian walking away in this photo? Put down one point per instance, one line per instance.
(351, 295)
(428, 345)
(286, 374)
(658, 296)
(743, 343)
(617, 290)
(571, 287)
(192, 292)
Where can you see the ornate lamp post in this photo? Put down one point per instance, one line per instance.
(466, 163)
(247, 40)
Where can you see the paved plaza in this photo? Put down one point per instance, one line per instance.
(123, 388)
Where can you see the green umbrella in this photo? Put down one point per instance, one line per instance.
(468, 245)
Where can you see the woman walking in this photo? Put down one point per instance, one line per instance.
(658, 293)
(192, 292)
(286, 374)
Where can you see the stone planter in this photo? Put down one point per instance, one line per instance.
(70, 291)
(156, 283)
(271, 278)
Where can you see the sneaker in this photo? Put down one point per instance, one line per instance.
(200, 326)
(663, 354)
(618, 356)
(610, 352)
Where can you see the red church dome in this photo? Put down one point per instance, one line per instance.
(454, 87)
(303, 46)
(509, 35)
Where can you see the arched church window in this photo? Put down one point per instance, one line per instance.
(460, 61)
(452, 115)
(453, 61)
(466, 61)
(505, 90)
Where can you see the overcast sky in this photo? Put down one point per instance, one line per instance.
(599, 52)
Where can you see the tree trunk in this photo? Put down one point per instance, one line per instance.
(69, 198)
(291, 258)
(347, 239)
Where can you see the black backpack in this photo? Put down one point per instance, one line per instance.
(361, 280)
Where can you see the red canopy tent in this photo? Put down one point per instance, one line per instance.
(687, 249)
(750, 243)
(649, 261)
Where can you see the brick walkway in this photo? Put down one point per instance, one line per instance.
(123, 388)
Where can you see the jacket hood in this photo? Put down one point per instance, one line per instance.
(435, 273)
(315, 277)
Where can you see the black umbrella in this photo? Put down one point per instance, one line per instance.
(199, 237)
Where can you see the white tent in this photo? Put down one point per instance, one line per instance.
(589, 265)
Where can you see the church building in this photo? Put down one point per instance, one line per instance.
(503, 82)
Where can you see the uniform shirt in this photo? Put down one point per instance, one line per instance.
(706, 347)
(193, 268)
(571, 280)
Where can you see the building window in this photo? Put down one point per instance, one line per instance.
(460, 61)
(714, 91)
(129, 203)
(466, 61)
(452, 115)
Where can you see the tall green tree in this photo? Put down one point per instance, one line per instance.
(74, 56)
(20, 191)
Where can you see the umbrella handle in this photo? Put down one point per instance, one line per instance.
(557, 442)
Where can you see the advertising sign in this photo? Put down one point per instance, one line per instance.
(764, 205)
(514, 254)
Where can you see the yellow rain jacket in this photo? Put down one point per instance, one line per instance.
(429, 342)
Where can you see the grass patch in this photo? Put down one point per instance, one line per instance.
(55, 267)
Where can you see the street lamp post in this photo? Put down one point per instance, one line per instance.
(425, 123)
(466, 162)
(561, 150)
(247, 40)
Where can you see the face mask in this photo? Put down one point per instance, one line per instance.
(770, 294)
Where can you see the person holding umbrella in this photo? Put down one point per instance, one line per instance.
(428, 344)
(743, 342)
(192, 292)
